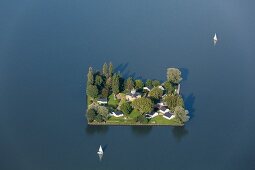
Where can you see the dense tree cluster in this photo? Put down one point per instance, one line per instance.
(174, 75)
(181, 114)
(156, 93)
(139, 84)
(129, 84)
(97, 113)
(173, 100)
(126, 108)
(143, 105)
(101, 84)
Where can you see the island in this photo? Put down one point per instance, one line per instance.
(114, 100)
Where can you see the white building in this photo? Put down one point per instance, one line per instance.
(116, 114)
(102, 101)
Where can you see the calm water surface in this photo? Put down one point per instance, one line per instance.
(47, 46)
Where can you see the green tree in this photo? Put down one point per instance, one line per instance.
(129, 85)
(108, 82)
(98, 81)
(155, 83)
(174, 75)
(99, 118)
(169, 87)
(115, 84)
(102, 110)
(90, 76)
(138, 84)
(105, 92)
(141, 119)
(105, 70)
(148, 83)
(170, 101)
(143, 105)
(110, 69)
(91, 115)
(126, 108)
(181, 114)
(179, 101)
(92, 91)
(156, 93)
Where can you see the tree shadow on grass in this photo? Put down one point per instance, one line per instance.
(92, 129)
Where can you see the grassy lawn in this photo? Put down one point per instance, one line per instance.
(162, 121)
(131, 119)
(89, 100)
(120, 120)
(112, 102)
(134, 114)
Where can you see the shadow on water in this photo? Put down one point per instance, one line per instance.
(122, 69)
(105, 147)
(189, 103)
(141, 130)
(91, 129)
(179, 132)
(185, 73)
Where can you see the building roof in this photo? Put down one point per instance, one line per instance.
(168, 114)
(102, 100)
(161, 87)
(134, 95)
(118, 113)
(147, 88)
(163, 108)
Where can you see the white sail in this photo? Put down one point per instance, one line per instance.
(215, 37)
(100, 150)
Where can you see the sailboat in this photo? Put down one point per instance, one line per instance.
(100, 151)
(215, 39)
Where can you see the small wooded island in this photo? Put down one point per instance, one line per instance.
(113, 100)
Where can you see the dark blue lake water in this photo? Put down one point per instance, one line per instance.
(46, 47)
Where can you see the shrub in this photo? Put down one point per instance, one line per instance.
(141, 119)
(91, 115)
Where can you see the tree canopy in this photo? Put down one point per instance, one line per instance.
(138, 84)
(169, 87)
(174, 75)
(105, 70)
(110, 69)
(92, 91)
(155, 83)
(91, 115)
(90, 76)
(105, 92)
(129, 84)
(98, 81)
(126, 108)
(181, 114)
(173, 100)
(156, 93)
(115, 84)
(141, 119)
(143, 105)
(148, 83)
